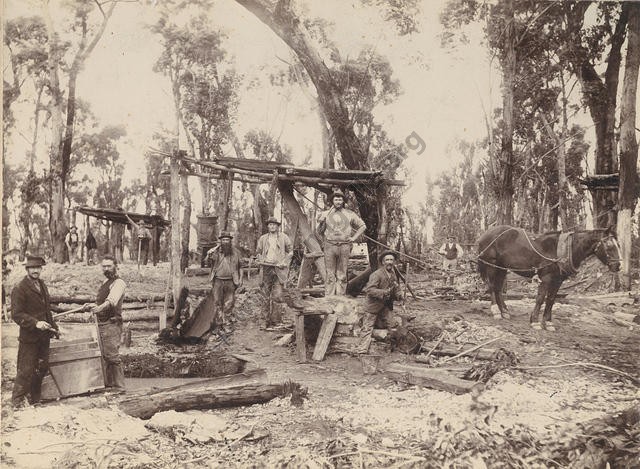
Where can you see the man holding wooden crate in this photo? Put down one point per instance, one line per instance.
(108, 311)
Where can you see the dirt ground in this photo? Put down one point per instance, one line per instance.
(526, 416)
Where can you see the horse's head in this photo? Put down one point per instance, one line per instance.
(608, 250)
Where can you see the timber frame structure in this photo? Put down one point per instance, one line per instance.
(286, 177)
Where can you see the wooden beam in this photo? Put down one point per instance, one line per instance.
(176, 248)
(429, 377)
(324, 336)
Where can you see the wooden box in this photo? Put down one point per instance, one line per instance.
(75, 367)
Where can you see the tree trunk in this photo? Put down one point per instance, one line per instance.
(629, 190)
(508, 60)
(284, 22)
(176, 273)
(600, 97)
(185, 226)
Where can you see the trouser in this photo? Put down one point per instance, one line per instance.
(110, 333)
(73, 254)
(336, 260)
(224, 297)
(271, 290)
(372, 312)
(33, 365)
(144, 250)
(448, 265)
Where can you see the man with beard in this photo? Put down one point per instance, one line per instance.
(30, 304)
(340, 227)
(274, 252)
(108, 311)
(381, 290)
(225, 277)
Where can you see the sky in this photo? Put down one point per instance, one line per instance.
(440, 100)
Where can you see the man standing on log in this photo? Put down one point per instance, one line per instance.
(340, 227)
(451, 252)
(381, 290)
(274, 252)
(30, 304)
(108, 311)
(225, 277)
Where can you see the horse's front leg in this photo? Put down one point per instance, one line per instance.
(495, 308)
(533, 318)
(552, 292)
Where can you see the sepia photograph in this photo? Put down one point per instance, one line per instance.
(320, 234)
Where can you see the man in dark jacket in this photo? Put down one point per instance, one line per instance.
(381, 290)
(30, 305)
(225, 277)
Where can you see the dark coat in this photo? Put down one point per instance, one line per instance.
(235, 265)
(29, 306)
(381, 290)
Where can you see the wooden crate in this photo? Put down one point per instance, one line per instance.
(75, 367)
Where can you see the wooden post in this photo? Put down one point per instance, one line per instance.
(301, 344)
(308, 237)
(176, 248)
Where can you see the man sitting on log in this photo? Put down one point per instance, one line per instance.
(381, 290)
(225, 277)
(340, 227)
(274, 252)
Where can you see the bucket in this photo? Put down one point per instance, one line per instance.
(370, 363)
(207, 229)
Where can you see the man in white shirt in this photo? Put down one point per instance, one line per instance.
(451, 252)
(274, 252)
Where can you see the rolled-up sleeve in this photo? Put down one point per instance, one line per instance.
(116, 292)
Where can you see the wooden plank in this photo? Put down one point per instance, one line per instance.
(306, 273)
(75, 355)
(324, 336)
(432, 378)
(452, 350)
(301, 345)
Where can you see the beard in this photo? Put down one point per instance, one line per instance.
(226, 249)
(109, 274)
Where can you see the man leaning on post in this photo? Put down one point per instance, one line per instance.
(30, 305)
(340, 227)
(108, 311)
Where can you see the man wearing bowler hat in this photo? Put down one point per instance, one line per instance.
(274, 252)
(30, 304)
(382, 290)
(225, 277)
(340, 227)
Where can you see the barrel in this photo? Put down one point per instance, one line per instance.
(207, 229)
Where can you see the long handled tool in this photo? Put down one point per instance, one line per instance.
(64, 313)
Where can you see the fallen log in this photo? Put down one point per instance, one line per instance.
(133, 315)
(429, 377)
(226, 391)
(453, 350)
(82, 299)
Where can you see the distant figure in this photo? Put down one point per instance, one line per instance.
(381, 290)
(71, 240)
(451, 252)
(108, 310)
(6, 269)
(225, 277)
(31, 311)
(274, 252)
(141, 231)
(340, 227)
(92, 247)
(117, 235)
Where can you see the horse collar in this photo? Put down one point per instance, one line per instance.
(564, 253)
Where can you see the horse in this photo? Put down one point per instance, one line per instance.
(553, 257)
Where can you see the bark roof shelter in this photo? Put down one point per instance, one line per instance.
(260, 171)
(118, 216)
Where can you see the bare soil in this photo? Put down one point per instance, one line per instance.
(526, 416)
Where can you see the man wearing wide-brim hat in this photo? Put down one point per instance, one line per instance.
(340, 228)
(225, 278)
(31, 311)
(382, 290)
(274, 252)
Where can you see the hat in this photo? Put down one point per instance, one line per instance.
(388, 253)
(73, 227)
(34, 261)
(273, 220)
(225, 234)
(337, 193)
